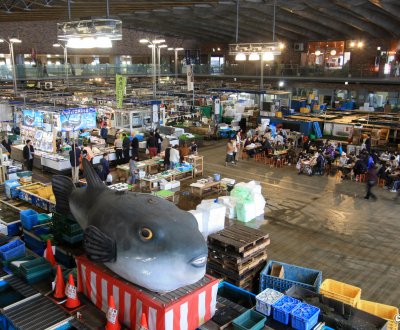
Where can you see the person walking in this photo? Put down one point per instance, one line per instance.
(152, 145)
(230, 148)
(28, 153)
(126, 144)
(372, 179)
(118, 149)
(159, 140)
(74, 159)
(135, 147)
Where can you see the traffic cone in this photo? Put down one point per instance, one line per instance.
(59, 290)
(70, 292)
(49, 253)
(112, 316)
(143, 323)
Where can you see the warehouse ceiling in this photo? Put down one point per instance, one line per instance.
(215, 21)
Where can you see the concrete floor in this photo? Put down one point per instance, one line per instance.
(319, 223)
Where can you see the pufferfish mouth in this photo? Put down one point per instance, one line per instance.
(199, 261)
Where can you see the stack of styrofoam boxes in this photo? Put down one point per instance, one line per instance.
(212, 218)
(250, 201)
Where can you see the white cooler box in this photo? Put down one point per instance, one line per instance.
(213, 217)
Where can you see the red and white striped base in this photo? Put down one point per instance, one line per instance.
(186, 313)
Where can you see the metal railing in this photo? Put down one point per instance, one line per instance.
(246, 69)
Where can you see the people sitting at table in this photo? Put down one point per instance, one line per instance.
(306, 144)
(319, 166)
(266, 145)
(343, 165)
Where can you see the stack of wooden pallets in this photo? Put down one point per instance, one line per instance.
(238, 254)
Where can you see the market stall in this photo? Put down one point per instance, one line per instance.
(50, 129)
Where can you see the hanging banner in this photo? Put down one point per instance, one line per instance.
(190, 79)
(120, 85)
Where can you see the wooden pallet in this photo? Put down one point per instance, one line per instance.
(247, 282)
(239, 240)
(246, 265)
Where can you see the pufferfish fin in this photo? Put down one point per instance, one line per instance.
(98, 246)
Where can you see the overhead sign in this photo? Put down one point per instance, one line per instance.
(32, 118)
(120, 85)
(78, 118)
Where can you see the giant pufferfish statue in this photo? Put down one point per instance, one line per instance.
(143, 238)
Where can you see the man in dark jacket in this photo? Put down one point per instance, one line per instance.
(6, 144)
(74, 159)
(372, 180)
(28, 153)
(159, 140)
(135, 147)
(126, 144)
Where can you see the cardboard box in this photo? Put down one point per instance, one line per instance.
(277, 271)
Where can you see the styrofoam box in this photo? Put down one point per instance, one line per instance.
(175, 184)
(228, 181)
(259, 202)
(246, 211)
(199, 218)
(230, 203)
(213, 216)
(165, 185)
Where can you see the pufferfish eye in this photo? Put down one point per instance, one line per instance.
(146, 234)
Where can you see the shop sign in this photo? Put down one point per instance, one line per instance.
(78, 118)
(32, 118)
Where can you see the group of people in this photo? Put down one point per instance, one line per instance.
(373, 165)
(276, 145)
(76, 156)
(174, 155)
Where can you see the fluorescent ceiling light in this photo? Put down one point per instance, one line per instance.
(254, 57)
(268, 56)
(179, 48)
(170, 48)
(1, 40)
(151, 46)
(158, 41)
(56, 45)
(15, 40)
(162, 46)
(144, 41)
(240, 57)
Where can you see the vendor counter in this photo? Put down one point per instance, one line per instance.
(51, 162)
